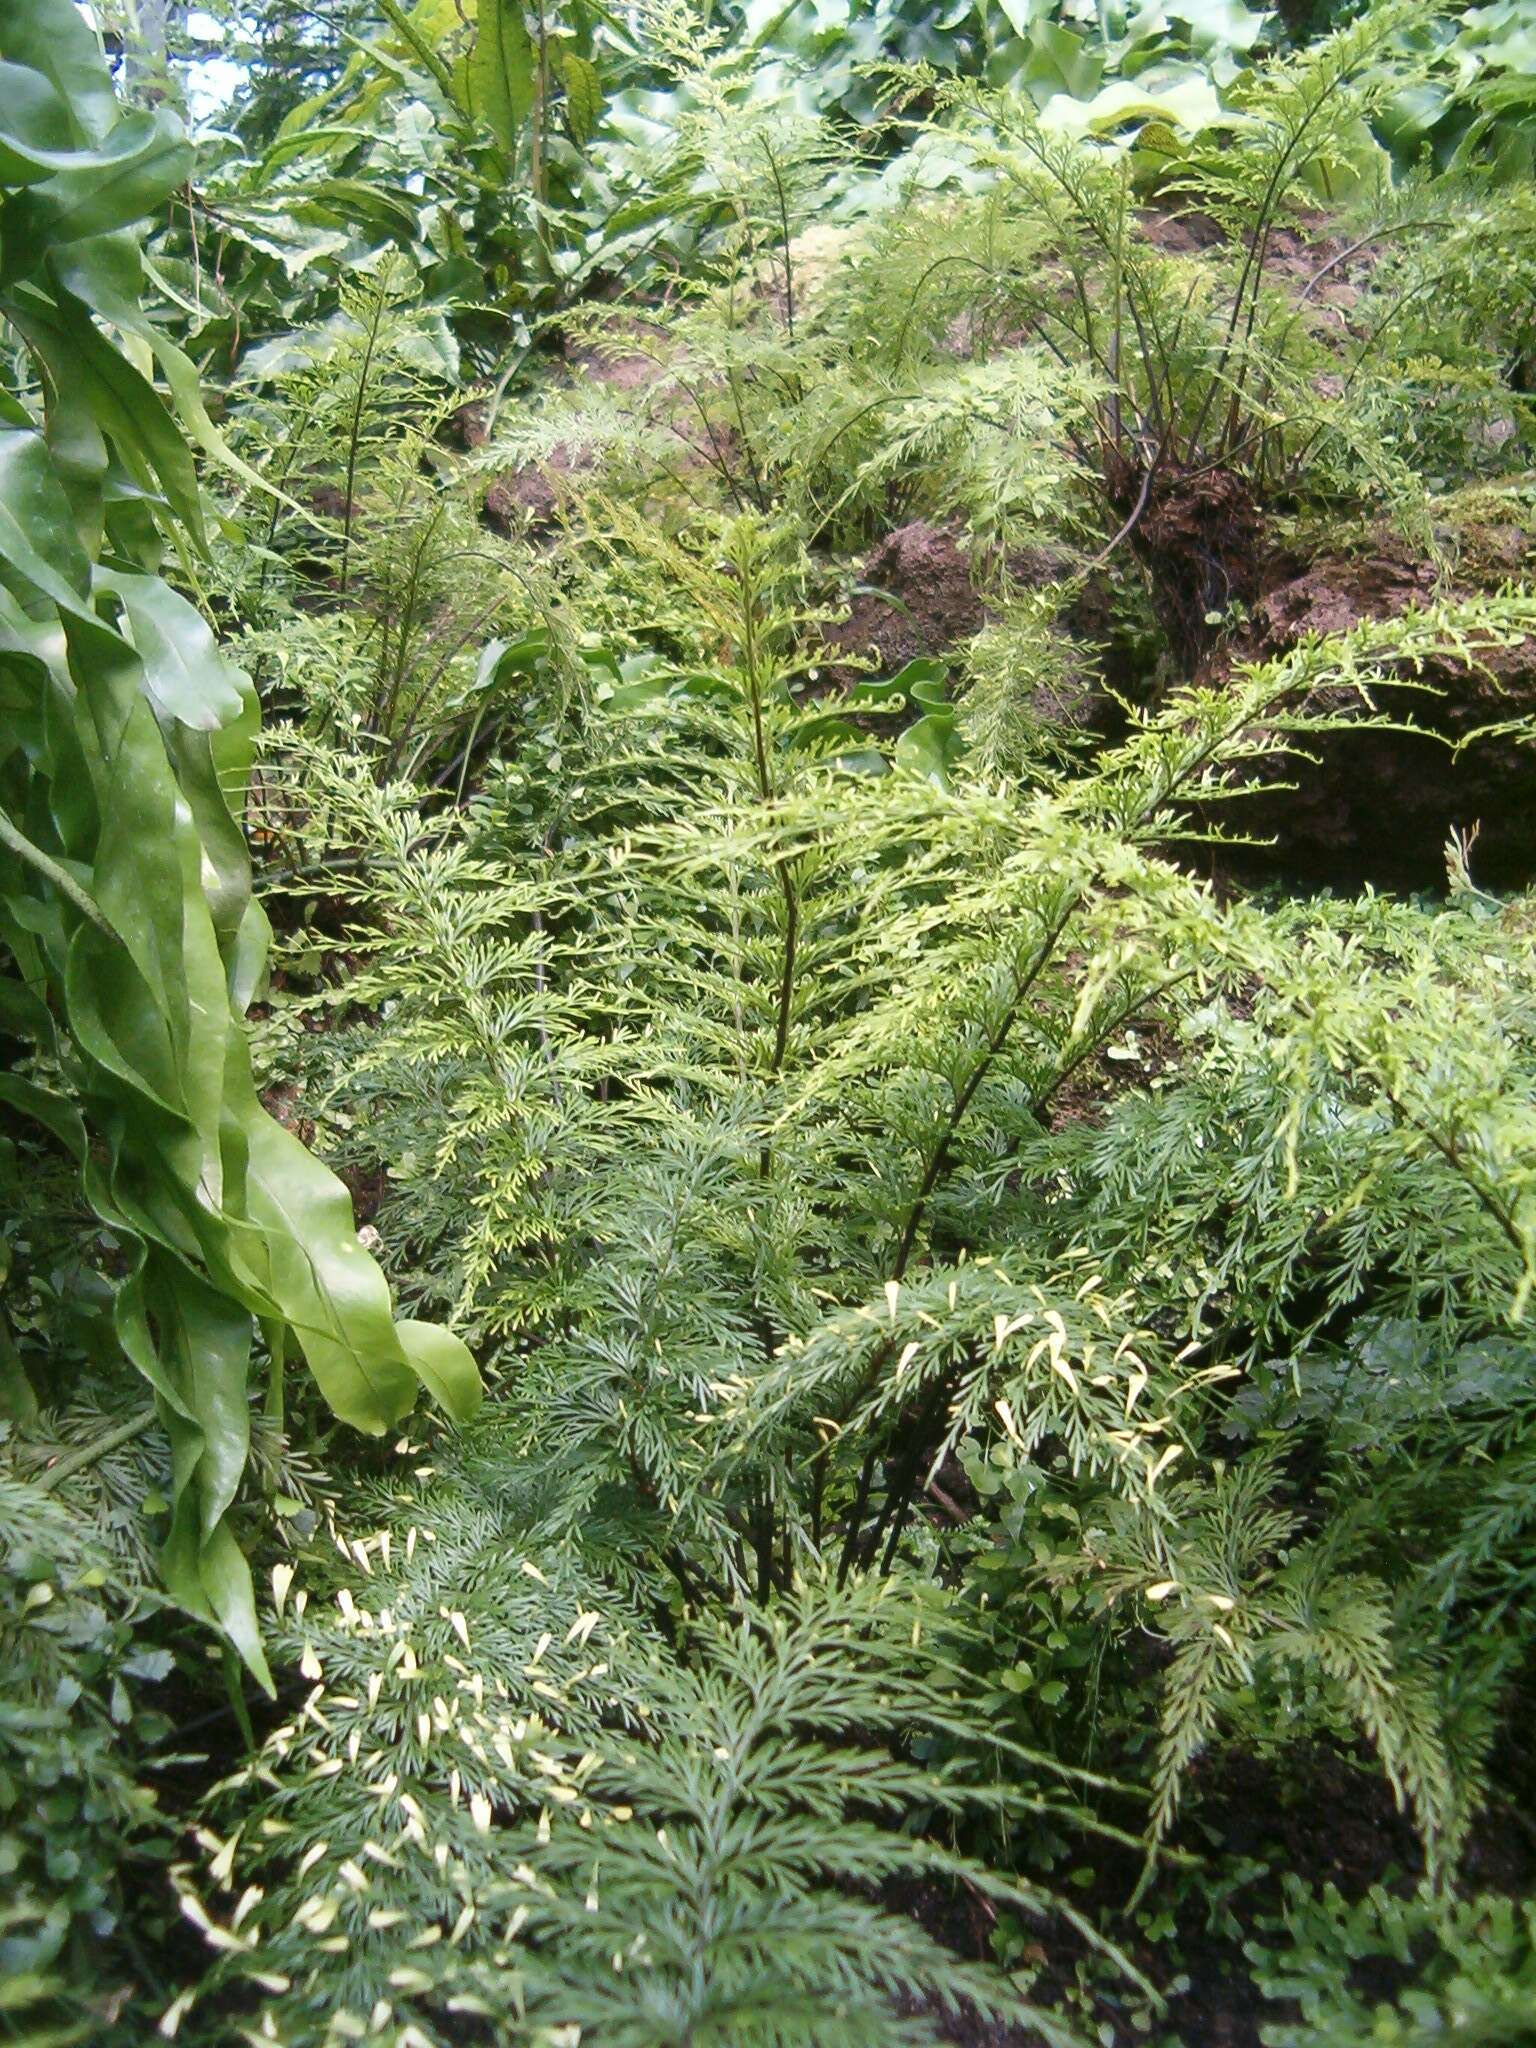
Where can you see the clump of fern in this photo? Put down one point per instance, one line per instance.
(747, 1067)
(1342, 1171)
(1197, 389)
(501, 1775)
(368, 588)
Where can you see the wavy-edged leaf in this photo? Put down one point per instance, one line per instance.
(126, 733)
(583, 96)
(145, 157)
(443, 1364)
(502, 70)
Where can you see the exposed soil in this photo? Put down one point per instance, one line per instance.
(331, 502)
(1182, 233)
(622, 372)
(466, 427)
(526, 502)
(915, 597)
(1087, 1094)
(1199, 535)
(1377, 806)
(1296, 253)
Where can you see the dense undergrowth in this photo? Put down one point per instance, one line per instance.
(799, 658)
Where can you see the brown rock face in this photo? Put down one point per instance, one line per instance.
(522, 501)
(465, 427)
(1198, 535)
(527, 502)
(1378, 806)
(915, 598)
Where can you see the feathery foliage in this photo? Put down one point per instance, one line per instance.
(1007, 1339)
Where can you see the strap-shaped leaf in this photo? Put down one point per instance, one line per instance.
(125, 887)
(34, 126)
(583, 96)
(502, 70)
(53, 40)
(144, 158)
(96, 386)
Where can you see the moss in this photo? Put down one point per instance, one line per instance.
(1490, 531)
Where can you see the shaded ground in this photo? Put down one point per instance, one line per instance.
(1378, 805)
(1315, 1813)
(1372, 805)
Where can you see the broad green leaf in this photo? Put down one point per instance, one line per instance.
(38, 543)
(930, 747)
(1220, 24)
(502, 70)
(97, 386)
(146, 157)
(271, 230)
(293, 144)
(1413, 111)
(125, 736)
(51, 37)
(443, 1364)
(1022, 15)
(185, 675)
(181, 378)
(210, 1576)
(387, 209)
(106, 273)
(299, 118)
(918, 679)
(1190, 103)
(583, 96)
(1061, 62)
(18, 1400)
(211, 1335)
(25, 1015)
(302, 1255)
(53, 1111)
(34, 126)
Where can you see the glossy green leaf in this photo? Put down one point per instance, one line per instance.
(34, 126)
(51, 37)
(125, 897)
(145, 157)
(37, 532)
(444, 1366)
(98, 386)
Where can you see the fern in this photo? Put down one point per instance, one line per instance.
(499, 1779)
